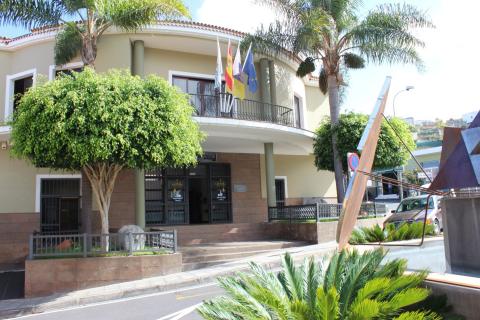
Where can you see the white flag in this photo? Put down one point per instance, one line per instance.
(219, 70)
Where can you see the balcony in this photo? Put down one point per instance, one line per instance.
(226, 106)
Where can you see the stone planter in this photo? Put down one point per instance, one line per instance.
(47, 276)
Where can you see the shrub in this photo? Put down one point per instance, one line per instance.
(406, 231)
(351, 286)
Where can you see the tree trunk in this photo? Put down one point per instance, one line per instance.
(334, 102)
(89, 50)
(102, 178)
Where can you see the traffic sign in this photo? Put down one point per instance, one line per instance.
(353, 160)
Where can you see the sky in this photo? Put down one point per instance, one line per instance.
(447, 88)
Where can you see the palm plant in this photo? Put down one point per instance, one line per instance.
(91, 19)
(333, 37)
(352, 286)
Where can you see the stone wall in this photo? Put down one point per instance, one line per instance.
(15, 229)
(312, 232)
(48, 276)
(248, 206)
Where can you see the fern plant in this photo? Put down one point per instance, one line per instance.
(352, 286)
(406, 231)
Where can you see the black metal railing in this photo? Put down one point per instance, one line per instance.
(88, 245)
(226, 106)
(322, 212)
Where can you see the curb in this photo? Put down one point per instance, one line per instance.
(272, 260)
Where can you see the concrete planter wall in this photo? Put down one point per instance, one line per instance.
(461, 226)
(48, 276)
(312, 232)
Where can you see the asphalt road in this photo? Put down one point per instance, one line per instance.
(181, 304)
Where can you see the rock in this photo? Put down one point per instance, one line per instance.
(137, 240)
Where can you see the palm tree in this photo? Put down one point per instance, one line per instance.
(332, 36)
(352, 286)
(91, 19)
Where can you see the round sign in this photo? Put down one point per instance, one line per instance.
(353, 161)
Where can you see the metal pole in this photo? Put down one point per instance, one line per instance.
(84, 245)
(317, 212)
(30, 247)
(175, 240)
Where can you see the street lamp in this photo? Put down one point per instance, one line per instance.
(407, 88)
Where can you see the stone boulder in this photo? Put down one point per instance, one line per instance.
(134, 243)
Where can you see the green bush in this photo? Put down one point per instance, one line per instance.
(406, 231)
(351, 286)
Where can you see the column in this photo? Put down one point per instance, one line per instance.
(400, 186)
(86, 205)
(273, 82)
(138, 70)
(270, 175)
(273, 90)
(265, 89)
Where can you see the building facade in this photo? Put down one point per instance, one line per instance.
(258, 153)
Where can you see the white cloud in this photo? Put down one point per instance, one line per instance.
(241, 15)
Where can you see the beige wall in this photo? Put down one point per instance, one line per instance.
(303, 179)
(317, 107)
(4, 70)
(17, 184)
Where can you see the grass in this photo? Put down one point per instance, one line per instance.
(324, 219)
(77, 252)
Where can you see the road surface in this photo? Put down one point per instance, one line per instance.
(181, 304)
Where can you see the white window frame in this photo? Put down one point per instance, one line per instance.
(38, 184)
(53, 68)
(10, 87)
(302, 106)
(172, 73)
(284, 178)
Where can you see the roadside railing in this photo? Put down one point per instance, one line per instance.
(226, 106)
(322, 212)
(112, 244)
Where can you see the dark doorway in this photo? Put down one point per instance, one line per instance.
(198, 200)
(60, 205)
(280, 192)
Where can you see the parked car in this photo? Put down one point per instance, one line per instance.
(412, 209)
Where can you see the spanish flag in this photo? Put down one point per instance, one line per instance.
(229, 70)
(238, 82)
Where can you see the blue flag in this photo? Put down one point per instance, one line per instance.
(249, 70)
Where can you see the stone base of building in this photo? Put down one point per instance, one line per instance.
(48, 276)
(15, 228)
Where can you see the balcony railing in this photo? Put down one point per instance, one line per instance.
(226, 106)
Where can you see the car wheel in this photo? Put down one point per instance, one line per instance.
(436, 227)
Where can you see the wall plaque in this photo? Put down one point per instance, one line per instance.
(239, 188)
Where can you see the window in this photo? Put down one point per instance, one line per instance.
(68, 71)
(20, 86)
(297, 106)
(68, 68)
(280, 192)
(201, 91)
(16, 86)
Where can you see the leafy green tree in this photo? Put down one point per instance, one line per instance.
(352, 286)
(334, 37)
(91, 19)
(103, 123)
(390, 151)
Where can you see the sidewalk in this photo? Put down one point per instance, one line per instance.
(18, 307)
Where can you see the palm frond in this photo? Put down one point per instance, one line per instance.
(307, 66)
(291, 278)
(353, 61)
(327, 307)
(385, 34)
(134, 14)
(323, 81)
(418, 315)
(68, 43)
(31, 13)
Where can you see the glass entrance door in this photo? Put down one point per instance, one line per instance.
(197, 195)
